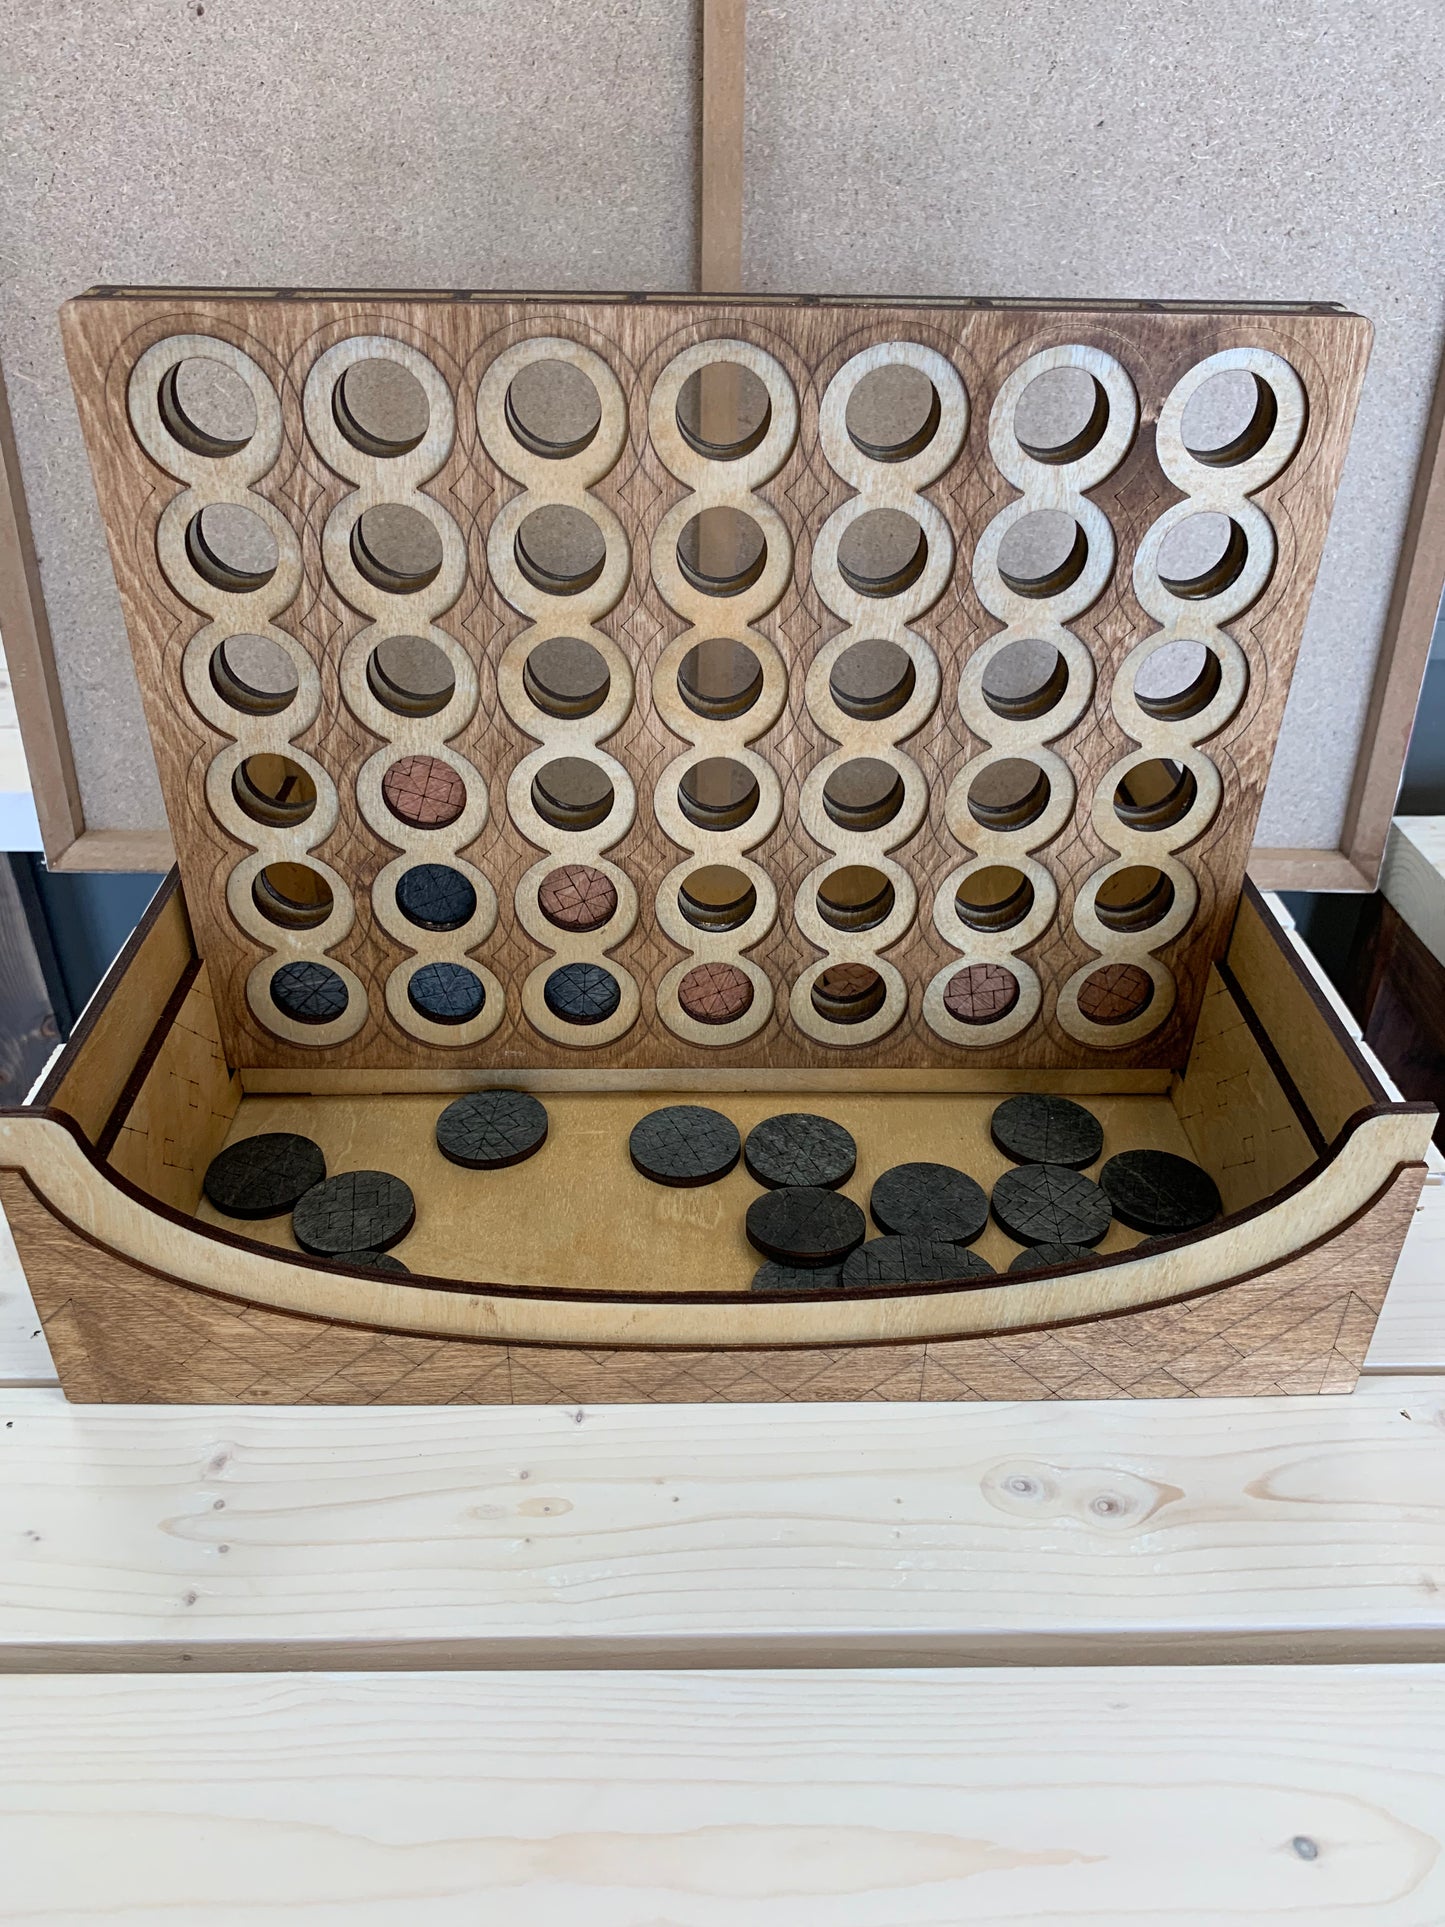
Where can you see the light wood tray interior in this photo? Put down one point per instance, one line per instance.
(579, 1217)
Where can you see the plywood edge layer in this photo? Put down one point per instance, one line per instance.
(333, 1083)
(45, 1160)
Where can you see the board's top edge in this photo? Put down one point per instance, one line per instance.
(723, 302)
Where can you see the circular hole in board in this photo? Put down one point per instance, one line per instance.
(718, 793)
(848, 993)
(411, 676)
(994, 898)
(1177, 680)
(272, 789)
(309, 993)
(229, 546)
(981, 993)
(396, 548)
(1043, 553)
(571, 793)
(720, 678)
(446, 993)
(566, 676)
(208, 407)
(292, 895)
(553, 409)
(1155, 795)
(882, 552)
(1025, 679)
(716, 993)
(1134, 899)
(722, 551)
(1229, 418)
(716, 897)
(560, 549)
(893, 413)
(1202, 555)
(1061, 415)
(863, 793)
(253, 674)
(872, 679)
(723, 411)
(857, 897)
(424, 791)
(1116, 993)
(380, 407)
(1008, 794)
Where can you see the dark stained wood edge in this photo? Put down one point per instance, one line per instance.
(105, 990)
(144, 1064)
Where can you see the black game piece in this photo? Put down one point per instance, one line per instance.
(308, 993)
(913, 1261)
(798, 1149)
(685, 1145)
(1047, 1130)
(486, 1130)
(1049, 1204)
(357, 1211)
(775, 1277)
(263, 1176)
(1159, 1192)
(371, 1261)
(435, 896)
(447, 993)
(805, 1225)
(1039, 1257)
(929, 1201)
(582, 993)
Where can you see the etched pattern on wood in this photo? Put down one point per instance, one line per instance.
(638, 482)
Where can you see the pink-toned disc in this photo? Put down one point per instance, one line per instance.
(715, 993)
(981, 993)
(1116, 993)
(424, 791)
(577, 897)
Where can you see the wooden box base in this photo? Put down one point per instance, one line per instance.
(527, 1289)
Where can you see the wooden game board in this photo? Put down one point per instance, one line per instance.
(926, 983)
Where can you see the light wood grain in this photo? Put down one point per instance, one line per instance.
(1122, 496)
(1413, 877)
(575, 1535)
(720, 171)
(855, 1799)
(143, 852)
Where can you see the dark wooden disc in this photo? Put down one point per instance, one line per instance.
(487, 1130)
(582, 993)
(797, 1148)
(447, 993)
(1050, 1204)
(775, 1277)
(1116, 993)
(1032, 1129)
(913, 1261)
(372, 1261)
(1040, 1257)
(716, 993)
(424, 791)
(577, 897)
(435, 896)
(929, 1201)
(263, 1176)
(684, 1145)
(357, 1211)
(1159, 1192)
(805, 1225)
(980, 993)
(309, 993)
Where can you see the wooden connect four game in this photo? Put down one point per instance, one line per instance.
(804, 865)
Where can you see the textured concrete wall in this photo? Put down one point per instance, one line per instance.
(1030, 147)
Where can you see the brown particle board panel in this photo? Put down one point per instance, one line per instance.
(639, 482)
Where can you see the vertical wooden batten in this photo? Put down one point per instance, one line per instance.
(720, 226)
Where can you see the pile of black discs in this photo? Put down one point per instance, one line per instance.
(352, 1219)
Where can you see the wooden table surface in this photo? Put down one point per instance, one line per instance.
(805, 1666)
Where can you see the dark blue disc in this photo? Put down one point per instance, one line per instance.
(435, 897)
(308, 993)
(447, 993)
(582, 993)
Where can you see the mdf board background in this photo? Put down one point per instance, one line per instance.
(1097, 150)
